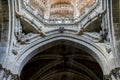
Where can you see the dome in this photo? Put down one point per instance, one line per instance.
(61, 9)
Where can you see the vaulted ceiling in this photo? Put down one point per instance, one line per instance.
(62, 62)
(39, 5)
(61, 8)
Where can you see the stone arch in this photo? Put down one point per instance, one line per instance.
(100, 55)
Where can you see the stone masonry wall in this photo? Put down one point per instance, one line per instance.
(116, 23)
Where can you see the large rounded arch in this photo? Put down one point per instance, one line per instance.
(100, 55)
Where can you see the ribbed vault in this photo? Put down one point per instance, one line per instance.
(22, 40)
(62, 62)
(61, 8)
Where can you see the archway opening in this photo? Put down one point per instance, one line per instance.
(62, 62)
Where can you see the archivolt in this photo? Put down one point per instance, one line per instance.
(72, 40)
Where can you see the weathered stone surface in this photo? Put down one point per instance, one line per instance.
(83, 45)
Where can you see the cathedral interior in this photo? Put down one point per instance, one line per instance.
(59, 39)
